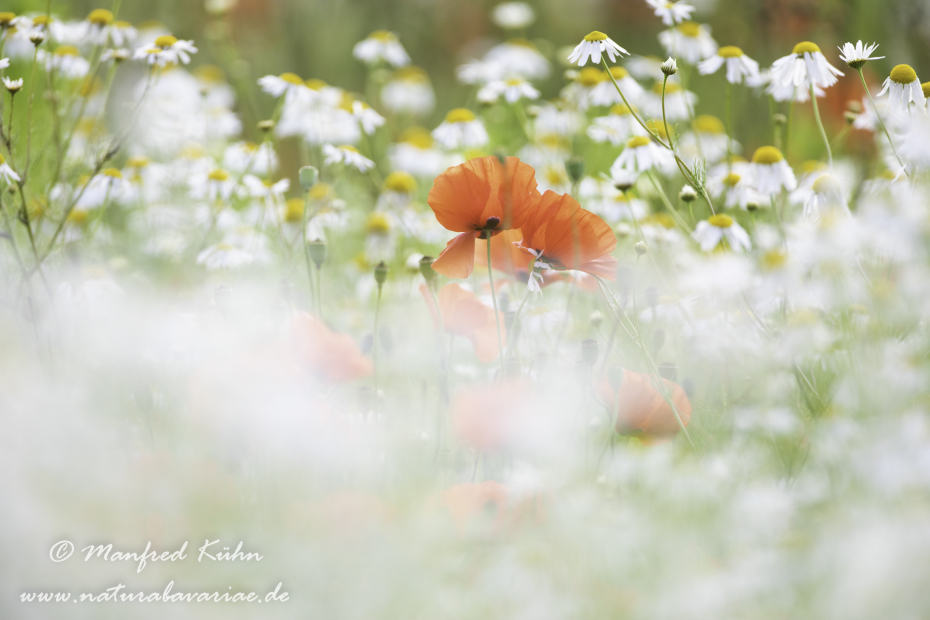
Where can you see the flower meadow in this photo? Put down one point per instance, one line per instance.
(587, 326)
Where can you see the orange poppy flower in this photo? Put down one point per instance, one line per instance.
(333, 357)
(504, 509)
(494, 417)
(565, 236)
(464, 315)
(479, 199)
(642, 409)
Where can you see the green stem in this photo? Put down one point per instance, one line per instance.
(497, 318)
(374, 346)
(823, 133)
(880, 121)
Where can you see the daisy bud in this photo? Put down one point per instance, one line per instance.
(850, 117)
(37, 37)
(780, 119)
(640, 248)
(426, 268)
(222, 298)
(589, 351)
(308, 176)
(597, 319)
(670, 67)
(854, 106)
(668, 370)
(574, 166)
(265, 126)
(317, 249)
(623, 230)
(381, 271)
(752, 205)
(687, 194)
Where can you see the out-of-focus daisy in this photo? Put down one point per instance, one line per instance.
(101, 189)
(827, 195)
(690, 41)
(616, 128)
(270, 193)
(166, 50)
(66, 61)
(519, 58)
(644, 67)
(479, 71)
(856, 55)
(671, 12)
(4, 63)
(557, 120)
(415, 154)
(903, 89)
(805, 65)
(7, 175)
(122, 34)
(367, 117)
(771, 173)
(678, 101)
(379, 46)
(380, 240)
(461, 130)
(215, 185)
(409, 91)
(347, 155)
(738, 64)
(512, 89)
(738, 189)
(708, 137)
(642, 154)
(241, 157)
(578, 92)
(399, 191)
(618, 206)
(592, 46)
(118, 55)
(225, 256)
(13, 86)
(605, 93)
(277, 85)
(513, 15)
(711, 232)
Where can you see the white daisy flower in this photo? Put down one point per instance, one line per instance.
(789, 92)
(513, 15)
(559, 121)
(678, 102)
(617, 206)
(225, 256)
(645, 68)
(366, 117)
(642, 154)
(711, 232)
(690, 41)
(4, 63)
(118, 54)
(671, 12)
(513, 90)
(617, 127)
(771, 173)
(827, 195)
(710, 138)
(166, 50)
(738, 189)
(479, 72)
(461, 130)
(518, 58)
(284, 84)
(804, 66)
(347, 155)
(240, 157)
(66, 61)
(593, 45)
(605, 93)
(122, 34)
(7, 175)
(13, 86)
(578, 92)
(856, 55)
(381, 46)
(903, 89)
(398, 192)
(738, 64)
(270, 193)
(107, 186)
(409, 91)
(415, 154)
(381, 238)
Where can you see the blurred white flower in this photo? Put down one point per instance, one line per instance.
(513, 15)
(592, 46)
(347, 155)
(381, 46)
(461, 130)
(739, 65)
(710, 232)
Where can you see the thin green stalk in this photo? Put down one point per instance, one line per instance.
(303, 234)
(497, 318)
(880, 121)
(374, 346)
(823, 133)
(728, 118)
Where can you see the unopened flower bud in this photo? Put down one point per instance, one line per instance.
(670, 67)
(317, 250)
(308, 176)
(779, 119)
(687, 194)
(574, 166)
(850, 117)
(640, 248)
(266, 125)
(37, 37)
(381, 272)
(597, 319)
(854, 106)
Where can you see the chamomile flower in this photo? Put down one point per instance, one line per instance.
(215, 186)
(708, 137)
(398, 193)
(771, 173)
(101, 189)
(380, 241)
(122, 34)
(409, 91)
(65, 61)
(738, 64)
(117, 55)
(592, 46)
(605, 93)
(13, 86)
(690, 41)
(738, 189)
(7, 175)
(347, 155)
(804, 66)
(513, 15)
(271, 194)
(642, 154)
(381, 46)
(241, 157)
(519, 58)
(367, 117)
(284, 84)
(512, 89)
(166, 50)
(827, 195)
(225, 256)
(857, 55)
(903, 89)
(671, 12)
(711, 232)
(415, 154)
(617, 127)
(461, 130)
(678, 102)
(578, 92)
(4, 63)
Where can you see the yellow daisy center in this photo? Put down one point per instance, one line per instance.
(418, 137)
(137, 162)
(315, 84)
(113, 173)
(720, 220)
(826, 183)
(595, 36)
(218, 175)
(401, 182)
(729, 51)
(100, 17)
(591, 76)
(460, 115)
(2, 160)
(6, 17)
(295, 210)
(732, 179)
(320, 191)
(210, 74)
(670, 88)
(166, 41)
(689, 29)
(378, 224)
(66, 50)
(773, 259)
(383, 36)
(620, 109)
(348, 147)
(619, 73)
(292, 78)
(767, 155)
(926, 88)
(903, 74)
(411, 74)
(707, 123)
(41, 20)
(637, 142)
(805, 47)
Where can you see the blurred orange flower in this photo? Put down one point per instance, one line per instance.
(331, 356)
(480, 198)
(641, 407)
(565, 236)
(464, 315)
(492, 417)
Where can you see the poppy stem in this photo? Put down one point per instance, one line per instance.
(497, 318)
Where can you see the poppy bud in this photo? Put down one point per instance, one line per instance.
(308, 176)
(574, 166)
(381, 272)
(426, 268)
(640, 248)
(222, 298)
(687, 194)
(317, 249)
(589, 351)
